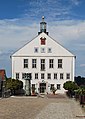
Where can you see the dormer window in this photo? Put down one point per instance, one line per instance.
(43, 41)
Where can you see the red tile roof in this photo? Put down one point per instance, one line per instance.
(2, 74)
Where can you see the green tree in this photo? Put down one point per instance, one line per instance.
(80, 80)
(71, 87)
(13, 85)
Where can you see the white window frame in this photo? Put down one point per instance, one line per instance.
(34, 63)
(25, 63)
(25, 75)
(17, 75)
(58, 86)
(42, 76)
(55, 75)
(68, 76)
(42, 64)
(51, 86)
(36, 75)
(49, 76)
(61, 76)
(51, 63)
(60, 63)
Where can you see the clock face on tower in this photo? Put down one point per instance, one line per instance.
(43, 41)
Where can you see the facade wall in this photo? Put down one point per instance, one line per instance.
(57, 52)
(57, 49)
(68, 65)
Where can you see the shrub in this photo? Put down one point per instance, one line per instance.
(71, 87)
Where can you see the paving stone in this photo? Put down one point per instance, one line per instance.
(61, 110)
(51, 107)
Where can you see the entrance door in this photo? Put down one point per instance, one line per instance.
(42, 87)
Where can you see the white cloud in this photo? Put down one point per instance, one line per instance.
(76, 2)
(0, 52)
(13, 35)
(82, 65)
(69, 33)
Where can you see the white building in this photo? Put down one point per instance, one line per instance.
(49, 63)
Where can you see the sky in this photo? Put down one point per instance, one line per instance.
(19, 23)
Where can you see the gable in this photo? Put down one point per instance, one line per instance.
(40, 45)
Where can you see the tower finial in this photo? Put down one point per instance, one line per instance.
(43, 18)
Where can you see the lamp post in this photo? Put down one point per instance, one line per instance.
(28, 85)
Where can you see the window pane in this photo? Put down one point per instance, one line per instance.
(52, 86)
(68, 76)
(42, 50)
(58, 86)
(61, 75)
(59, 60)
(55, 75)
(34, 61)
(25, 63)
(59, 63)
(42, 76)
(42, 64)
(51, 63)
(36, 75)
(36, 50)
(49, 50)
(26, 76)
(49, 76)
(17, 75)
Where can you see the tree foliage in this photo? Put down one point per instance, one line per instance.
(70, 86)
(80, 80)
(13, 84)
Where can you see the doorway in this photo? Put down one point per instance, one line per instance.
(42, 87)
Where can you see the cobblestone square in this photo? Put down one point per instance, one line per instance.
(40, 108)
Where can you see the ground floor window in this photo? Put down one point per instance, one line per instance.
(58, 86)
(51, 86)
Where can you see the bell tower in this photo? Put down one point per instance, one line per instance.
(43, 26)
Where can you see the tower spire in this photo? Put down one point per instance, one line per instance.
(43, 25)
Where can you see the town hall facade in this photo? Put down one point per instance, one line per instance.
(48, 62)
